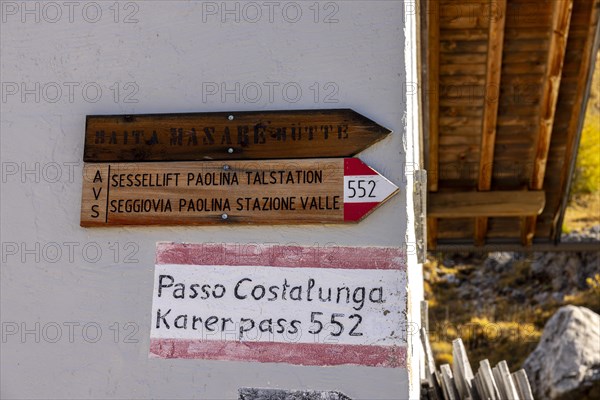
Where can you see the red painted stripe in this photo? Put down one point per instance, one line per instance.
(331, 256)
(353, 166)
(291, 353)
(356, 211)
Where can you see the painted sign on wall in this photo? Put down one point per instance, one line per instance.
(287, 304)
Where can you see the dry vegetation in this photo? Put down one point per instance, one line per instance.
(584, 204)
(500, 328)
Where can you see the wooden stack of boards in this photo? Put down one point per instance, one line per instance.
(457, 382)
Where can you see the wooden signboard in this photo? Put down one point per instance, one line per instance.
(216, 192)
(285, 304)
(229, 135)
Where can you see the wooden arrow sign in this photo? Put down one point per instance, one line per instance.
(229, 135)
(252, 192)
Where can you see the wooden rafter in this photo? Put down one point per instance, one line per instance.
(433, 61)
(573, 131)
(433, 54)
(498, 203)
(561, 18)
(490, 112)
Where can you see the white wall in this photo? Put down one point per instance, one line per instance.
(51, 273)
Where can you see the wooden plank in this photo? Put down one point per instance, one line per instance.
(216, 192)
(525, 57)
(433, 64)
(448, 384)
(433, 103)
(490, 111)
(432, 232)
(509, 385)
(573, 131)
(481, 229)
(478, 392)
(430, 369)
(522, 121)
(525, 45)
(460, 154)
(522, 384)
(462, 100)
(558, 43)
(461, 368)
(466, 245)
(488, 204)
(462, 111)
(473, 132)
(523, 68)
(229, 135)
(556, 52)
(455, 140)
(462, 69)
(450, 80)
(499, 382)
(466, 34)
(520, 33)
(455, 228)
(429, 359)
(487, 376)
(460, 121)
(467, 22)
(463, 46)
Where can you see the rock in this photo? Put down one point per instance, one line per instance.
(499, 261)
(566, 362)
(541, 298)
(558, 297)
(589, 235)
(518, 296)
(565, 271)
(452, 279)
(448, 262)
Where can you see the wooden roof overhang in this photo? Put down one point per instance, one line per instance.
(506, 85)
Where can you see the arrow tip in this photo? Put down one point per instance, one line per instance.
(364, 189)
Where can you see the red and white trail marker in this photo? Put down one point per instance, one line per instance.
(304, 191)
(282, 304)
(364, 189)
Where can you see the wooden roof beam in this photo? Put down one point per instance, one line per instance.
(515, 203)
(433, 90)
(490, 112)
(561, 19)
(433, 61)
(584, 81)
